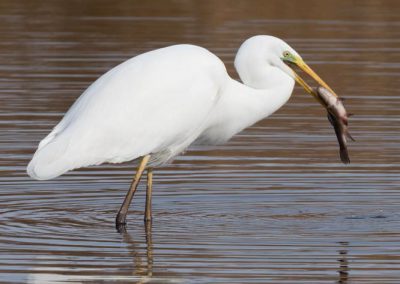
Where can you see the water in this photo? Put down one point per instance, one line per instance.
(275, 205)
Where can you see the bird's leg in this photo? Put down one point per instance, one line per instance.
(120, 221)
(149, 250)
(147, 214)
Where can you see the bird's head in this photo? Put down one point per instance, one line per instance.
(291, 58)
(274, 52)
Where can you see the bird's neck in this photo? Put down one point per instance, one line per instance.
(255, 103)
(265, 88)
(241, 106)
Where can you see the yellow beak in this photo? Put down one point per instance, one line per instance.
(303, 66)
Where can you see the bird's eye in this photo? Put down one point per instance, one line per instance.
(286, 54)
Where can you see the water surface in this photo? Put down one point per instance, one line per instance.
(274, 205)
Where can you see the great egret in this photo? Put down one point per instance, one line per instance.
(153, 106)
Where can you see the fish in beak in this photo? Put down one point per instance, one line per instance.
(338, 117)
(337, 114)
(293, 60)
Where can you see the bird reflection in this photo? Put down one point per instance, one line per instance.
(343, 263)
(143, 269)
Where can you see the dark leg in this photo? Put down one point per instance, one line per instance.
(147, 214)
(120, 221)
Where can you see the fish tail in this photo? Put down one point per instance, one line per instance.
(344, 155)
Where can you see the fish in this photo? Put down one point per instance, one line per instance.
(339, 118)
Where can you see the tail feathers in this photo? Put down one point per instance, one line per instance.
(49, 161)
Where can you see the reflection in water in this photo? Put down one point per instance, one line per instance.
(343, 264)
(139, 268)
(141, 272)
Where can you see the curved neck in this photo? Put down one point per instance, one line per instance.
(253, 104)
(241, 106)
(266, 87)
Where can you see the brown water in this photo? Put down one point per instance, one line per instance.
(275, 205)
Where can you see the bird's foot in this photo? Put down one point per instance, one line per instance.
(120, 222)
(121, 228)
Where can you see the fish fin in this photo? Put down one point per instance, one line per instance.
(344, 156)
(349, 136)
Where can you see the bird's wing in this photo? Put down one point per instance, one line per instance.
(153, 102)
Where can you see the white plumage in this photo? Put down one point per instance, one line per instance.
(162, 101)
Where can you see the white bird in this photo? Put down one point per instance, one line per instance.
(151, 107)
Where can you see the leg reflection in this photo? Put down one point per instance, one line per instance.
(140, 268)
